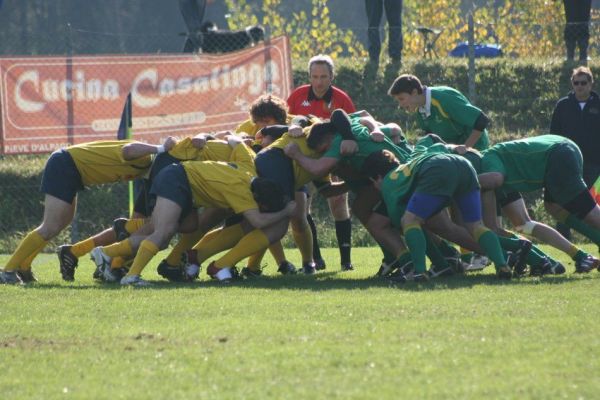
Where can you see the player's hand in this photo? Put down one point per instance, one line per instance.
(460, 149)
(377, 136)
(169, 143)
(199, 141)
(295, 131)
(348, 147)
(233, 140)
(291, 150)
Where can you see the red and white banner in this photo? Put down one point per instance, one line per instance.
(50, 102)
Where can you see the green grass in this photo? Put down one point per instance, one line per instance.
(334, 335)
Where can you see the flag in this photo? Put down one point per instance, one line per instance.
(126, 123)
(123, 133)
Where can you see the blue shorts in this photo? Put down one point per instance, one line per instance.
(144, 203)
(61, 177)
(425, 205)
(273, 164)
(172, 183)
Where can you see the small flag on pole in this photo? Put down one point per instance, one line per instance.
(125, 132)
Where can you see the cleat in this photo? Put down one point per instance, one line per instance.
(479, 262)
(504, 272)
(555, 268)
(308, 268)
(223, 275)
(400, 277)
(585, 264)
(251, 273)
(26, 276)
(347, 267)
(192, 272)
(287, 268)
(68, 262)
(457, 265)
(387, 269)
(171, 273)
(421, 277)
(119, 228)
(517, 260)
(102, 261)
(10, 278)
(134, 280)
(320, 264)
(436, 272)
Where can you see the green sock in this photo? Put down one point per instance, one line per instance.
(586, 230)
(536, 256)
(417, 244)
(490, 243)
(510, 244)
(447, 249)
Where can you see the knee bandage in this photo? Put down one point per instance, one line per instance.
(526, 228)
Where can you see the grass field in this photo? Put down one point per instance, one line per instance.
(334, 335)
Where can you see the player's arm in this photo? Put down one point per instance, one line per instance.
(316, 167)
(134, 150)
(199, 141)
(480, 124)
(490, 180)
(259, 219)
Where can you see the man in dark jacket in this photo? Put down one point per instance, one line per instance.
(577, 117)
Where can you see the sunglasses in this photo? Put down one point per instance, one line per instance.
(582, 83)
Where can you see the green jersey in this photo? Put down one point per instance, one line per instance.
(449, 114)
(523, 163)
(366, 146)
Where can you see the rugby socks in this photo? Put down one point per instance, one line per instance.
(250, 244)
(343, 233)
(80, 249)
(144, 254)
(255, 259)
(488, 240)
(117, 262)
(304, 241)
(28, 246)
(313, 228)
(447, 249)
(122, 248)
(186, 241)
(580, 226)
(535, 256)
(417, 245)
(134, 224)
(218, 240)
(25, 265)
(276, 250)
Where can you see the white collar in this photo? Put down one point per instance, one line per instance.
(426, 109)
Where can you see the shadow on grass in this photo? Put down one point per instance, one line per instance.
(328, 281)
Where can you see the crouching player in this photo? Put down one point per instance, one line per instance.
(68, 171)
(179, 188)
(419, 189)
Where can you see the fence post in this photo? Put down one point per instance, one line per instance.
(471, 73)
(70, 120)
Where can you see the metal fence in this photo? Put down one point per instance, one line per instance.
(21, 202)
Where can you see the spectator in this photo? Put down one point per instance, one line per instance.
(393, 13)
(577, 117)
(320, 98)
(577, 28)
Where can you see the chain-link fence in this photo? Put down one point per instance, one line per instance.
(20, 175)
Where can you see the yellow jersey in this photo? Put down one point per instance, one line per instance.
(103, 162)
(220, 185)
(301, 176)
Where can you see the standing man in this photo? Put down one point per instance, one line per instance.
(577, 28)
(320, 98)
(577, 117)
(393, 13)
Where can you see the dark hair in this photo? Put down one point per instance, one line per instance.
(405, 84)
(318, 132)
(269, 106)
(379, 163)
(268, 195)
(274, 131)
